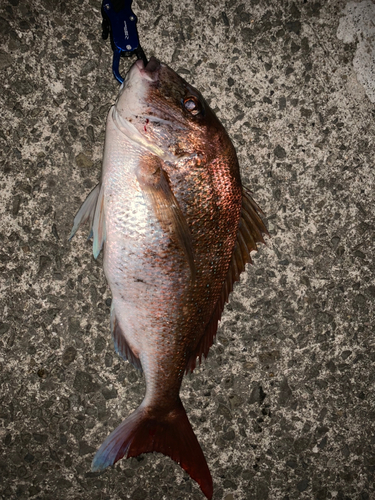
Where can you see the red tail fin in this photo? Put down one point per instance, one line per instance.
(171, 434)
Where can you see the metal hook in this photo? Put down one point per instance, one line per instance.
(119, 21)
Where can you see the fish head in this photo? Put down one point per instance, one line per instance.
(160, 110)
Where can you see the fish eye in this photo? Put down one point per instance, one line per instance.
(192, 105)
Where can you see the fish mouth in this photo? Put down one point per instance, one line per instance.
(151, 70)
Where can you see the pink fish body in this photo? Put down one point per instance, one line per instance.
(177, 229)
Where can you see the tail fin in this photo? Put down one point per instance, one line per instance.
(145, 432)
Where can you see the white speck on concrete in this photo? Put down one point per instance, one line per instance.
(358, 24)
(56, 87)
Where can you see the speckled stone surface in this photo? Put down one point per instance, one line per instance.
(284, 406)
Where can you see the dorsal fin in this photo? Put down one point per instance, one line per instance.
(250, 232)
(121, 345)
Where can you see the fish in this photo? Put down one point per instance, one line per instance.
(177, 228)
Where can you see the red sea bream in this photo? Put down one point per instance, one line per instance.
(177, 229)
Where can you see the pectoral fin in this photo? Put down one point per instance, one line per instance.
(156, 188)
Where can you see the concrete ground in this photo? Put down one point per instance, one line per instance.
(284, 407)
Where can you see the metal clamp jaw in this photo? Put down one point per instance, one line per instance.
(119, 21)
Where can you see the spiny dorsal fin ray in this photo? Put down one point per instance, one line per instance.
(250, 213)
(250, 232)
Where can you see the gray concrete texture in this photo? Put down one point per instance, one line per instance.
(284, 406)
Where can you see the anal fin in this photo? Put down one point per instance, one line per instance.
(121, 345)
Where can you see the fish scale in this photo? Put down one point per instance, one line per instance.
(177, 229)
